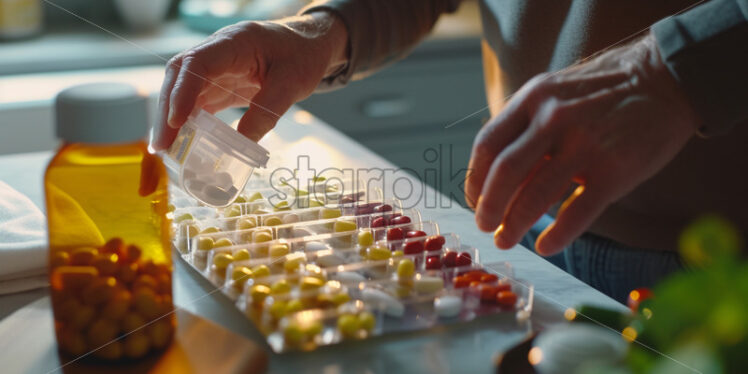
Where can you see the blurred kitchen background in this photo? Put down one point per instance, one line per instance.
(401, 112)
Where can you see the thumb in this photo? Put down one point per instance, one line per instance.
(265, 109)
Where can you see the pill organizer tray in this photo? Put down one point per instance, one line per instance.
(315, 250)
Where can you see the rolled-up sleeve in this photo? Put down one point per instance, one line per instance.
(380, 31)
(706, 49)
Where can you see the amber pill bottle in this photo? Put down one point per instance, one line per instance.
(109, 254)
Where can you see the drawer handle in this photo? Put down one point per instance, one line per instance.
(386, 107)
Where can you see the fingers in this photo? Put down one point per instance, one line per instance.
(273, 99)
(162, 134)
(535, 197)
(490, 141)
(513, 166)
(190, 82)
(198, 68)
(575, 216)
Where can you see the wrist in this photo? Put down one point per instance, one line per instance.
(330, 35)
(663, 83)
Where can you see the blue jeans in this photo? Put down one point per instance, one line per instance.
(611, 267)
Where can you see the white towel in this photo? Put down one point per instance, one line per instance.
(23, 243)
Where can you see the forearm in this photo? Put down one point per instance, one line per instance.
(379, 31)
(706, 50)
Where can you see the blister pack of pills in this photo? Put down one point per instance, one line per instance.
(333, 263)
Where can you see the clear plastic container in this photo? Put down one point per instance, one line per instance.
(211, 161)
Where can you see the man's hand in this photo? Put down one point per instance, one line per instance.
(267, 66)
(607, 125)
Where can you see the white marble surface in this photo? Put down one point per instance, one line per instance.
(458, 348)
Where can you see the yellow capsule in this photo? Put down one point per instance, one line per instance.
(365, 238)
(294, 261)
(378, 253)
(240, 199)
(278, 309)
(310, 283)
(343, 225)
(246, 223)
(235, 210)
(254, 197)
(260, 271)
(136, 344)
(398, 253)
(329, 213)
(222, 260)
(210, 230)
(241, 274)
(293, 306)
(258, 293)
(366, 321)
(280, 287)
(313, 329)
(184, 217)
(283, 205)
(59, 258)
(145, 302)
(261, 237)
(348, 325)
(278, 250)
(242, 255)
(205, 244)
(101, 332)
(191, 230)
(83, 256)
(273, 221)
(341, 298)
(406, 269)
(313, 203)
(223, 242)
(325, 300)
(293, 334)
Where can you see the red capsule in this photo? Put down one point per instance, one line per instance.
(379, 222)
(400, 220)
(382, 208)
(415, 234)
(434, 243)
(394, 233)
(464, 259)
(450, 259)
(433, 263)
(413, 247)
(506, 298)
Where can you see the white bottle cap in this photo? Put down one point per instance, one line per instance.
(101, 113)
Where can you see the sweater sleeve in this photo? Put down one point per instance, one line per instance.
(380, 31)
(706, 49)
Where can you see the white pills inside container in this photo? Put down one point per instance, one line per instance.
(211, 161)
